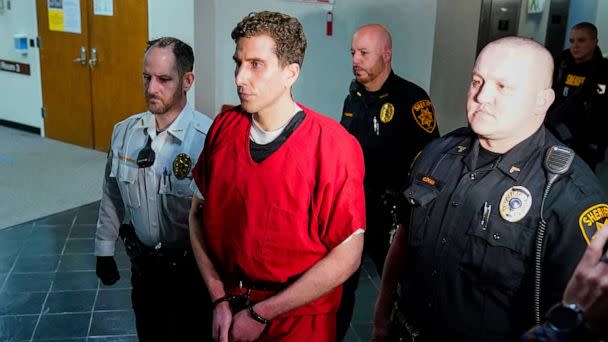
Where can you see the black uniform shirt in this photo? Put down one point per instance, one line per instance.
(392, 125)
(472, 279)
(581, 100)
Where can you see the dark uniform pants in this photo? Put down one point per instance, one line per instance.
(170, 299)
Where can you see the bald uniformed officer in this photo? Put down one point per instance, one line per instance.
(488, 203)
(393, 119)
(146, 200)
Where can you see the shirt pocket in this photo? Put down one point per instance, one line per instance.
(129, 185)
(176, 198)
(498, 255)
(170, 185)
(422, 197)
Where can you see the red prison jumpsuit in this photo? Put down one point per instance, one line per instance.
(271, 221)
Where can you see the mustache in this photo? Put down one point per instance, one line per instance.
(484, 109)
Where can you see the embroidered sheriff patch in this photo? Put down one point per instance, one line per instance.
(424, 114)
(592, 219)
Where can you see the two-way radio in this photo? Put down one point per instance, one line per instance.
(557, 162)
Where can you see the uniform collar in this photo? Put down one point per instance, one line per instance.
(512, 163)
(177, 128)
(381, 93)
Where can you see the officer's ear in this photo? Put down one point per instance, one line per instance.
(187, 80)
(387, 55)
(544, 99)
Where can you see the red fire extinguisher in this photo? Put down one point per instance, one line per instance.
(329, 28)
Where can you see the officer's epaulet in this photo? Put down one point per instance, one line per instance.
(201, 122)
(128, 122)
(462, 131)
(440, 145)
(353, 88)
(452, 139)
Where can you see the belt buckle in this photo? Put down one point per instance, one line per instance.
(241, 301)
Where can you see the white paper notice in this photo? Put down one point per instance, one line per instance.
(71, 16)
(103, 7)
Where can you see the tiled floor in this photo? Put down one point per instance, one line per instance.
(49, 290)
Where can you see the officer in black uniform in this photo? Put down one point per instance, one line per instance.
(579, 114)
(466, 262)
(393, 119)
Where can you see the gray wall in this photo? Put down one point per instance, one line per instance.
(326, 72)
(453, 58)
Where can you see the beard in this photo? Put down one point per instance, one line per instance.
(159, 105)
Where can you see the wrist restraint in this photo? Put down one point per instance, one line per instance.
(239, 302)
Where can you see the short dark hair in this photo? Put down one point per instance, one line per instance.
(587, 26)
(184, 56)
(286, 31)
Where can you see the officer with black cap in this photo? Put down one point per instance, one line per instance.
(393, 119)
(503, 213)
(146, 201)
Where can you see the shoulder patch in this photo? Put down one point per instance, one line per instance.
(592, 219)
(424, 115)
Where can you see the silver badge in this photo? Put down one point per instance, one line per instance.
(515, 203)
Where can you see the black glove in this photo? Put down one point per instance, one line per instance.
(107, 270)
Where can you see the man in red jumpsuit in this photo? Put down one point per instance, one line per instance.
(277, 224)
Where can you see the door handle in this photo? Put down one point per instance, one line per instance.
(83, 56)
(93, 59)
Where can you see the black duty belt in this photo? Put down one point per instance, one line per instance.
(136, 249)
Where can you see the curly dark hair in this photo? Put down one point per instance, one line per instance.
(286, 31)
(184, 56)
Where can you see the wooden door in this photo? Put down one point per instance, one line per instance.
(66, 87)
(85, 100)
(116, 77)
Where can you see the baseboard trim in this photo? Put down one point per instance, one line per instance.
(21, 127)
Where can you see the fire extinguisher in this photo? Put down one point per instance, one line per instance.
(329, 28)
